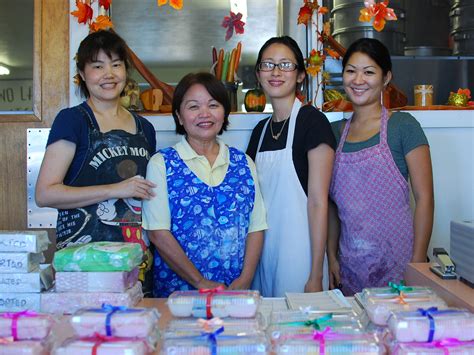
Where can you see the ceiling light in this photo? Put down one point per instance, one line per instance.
(4, 70)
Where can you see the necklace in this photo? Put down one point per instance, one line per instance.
(276, 136)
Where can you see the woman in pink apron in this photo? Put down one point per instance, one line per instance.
(378, 234)
(293, 152)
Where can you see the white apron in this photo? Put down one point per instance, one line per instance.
(285, 264)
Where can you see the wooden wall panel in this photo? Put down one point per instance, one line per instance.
(54, 54)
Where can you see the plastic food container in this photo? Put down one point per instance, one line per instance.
(238, 304)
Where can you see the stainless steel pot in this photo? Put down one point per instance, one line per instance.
(462, 26)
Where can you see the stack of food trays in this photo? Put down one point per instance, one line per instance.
(215, 321)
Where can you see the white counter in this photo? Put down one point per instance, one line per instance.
(451, 138)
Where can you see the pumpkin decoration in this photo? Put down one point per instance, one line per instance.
(255, 100)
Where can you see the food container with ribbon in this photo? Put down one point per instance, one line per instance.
(216, 342)
(217, 302)
(394, 289)
(191, 326)
(297, 323)
(116, 321)
(432, 324)
(442, 347)
(330, 342)
(379, 308)
(25, 325)
(103, 345)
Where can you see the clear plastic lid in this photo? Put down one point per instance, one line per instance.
(432, 324)
(332, 343)
(116, 321)
(246, 324)
(25, 325)
(379, 308)
(223, 344)
(417, 291)
(448, 346)
(202, 304)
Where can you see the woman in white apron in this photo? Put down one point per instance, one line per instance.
(294, 153)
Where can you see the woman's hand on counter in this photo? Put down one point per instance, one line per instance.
(205, 283)
(240, 284)
(314, 284)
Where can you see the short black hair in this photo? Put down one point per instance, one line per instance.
(110, 43)
(214, 87)
(372, 47)
(291, 44)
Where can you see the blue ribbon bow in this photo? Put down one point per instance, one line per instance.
(111, 310)
(212, 339)
(429, 313)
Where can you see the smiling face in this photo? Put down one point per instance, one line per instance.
(200, 114)
(105, 77)
(277, 83)
(363, 80)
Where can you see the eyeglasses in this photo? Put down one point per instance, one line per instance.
(283, 66)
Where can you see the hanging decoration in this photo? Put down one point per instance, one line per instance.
(234, 21)
(85, 14)
(379, 12)
(175, 4)
(317, 56)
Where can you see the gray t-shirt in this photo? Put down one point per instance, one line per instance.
(404, 134)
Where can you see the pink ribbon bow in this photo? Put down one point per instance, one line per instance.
(14, 317)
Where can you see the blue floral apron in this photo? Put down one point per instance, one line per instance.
(210, 223)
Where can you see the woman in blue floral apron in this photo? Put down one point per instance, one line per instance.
(207, 217)
(97, 152)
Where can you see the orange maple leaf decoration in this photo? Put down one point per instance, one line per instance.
(83, 13)
(306, 11)
(332, 53)
(175, 4)
(380, 12)
(101, 23)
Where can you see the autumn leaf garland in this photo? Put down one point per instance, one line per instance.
(84, 14)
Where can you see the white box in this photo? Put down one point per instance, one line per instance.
(24, 241)
(19, 262)
(36, 281)
(16, 302)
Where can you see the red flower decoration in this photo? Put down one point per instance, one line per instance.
(83, 13)
(306, 11)
(380, 12)
(466, 92)
(105, 3)
(231, 22)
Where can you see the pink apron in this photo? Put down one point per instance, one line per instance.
(372, 197)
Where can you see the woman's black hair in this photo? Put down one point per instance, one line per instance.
(110, 42)
(372, 47)
(291, 44)
(214, 87)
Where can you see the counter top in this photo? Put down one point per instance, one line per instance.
(454, 292)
